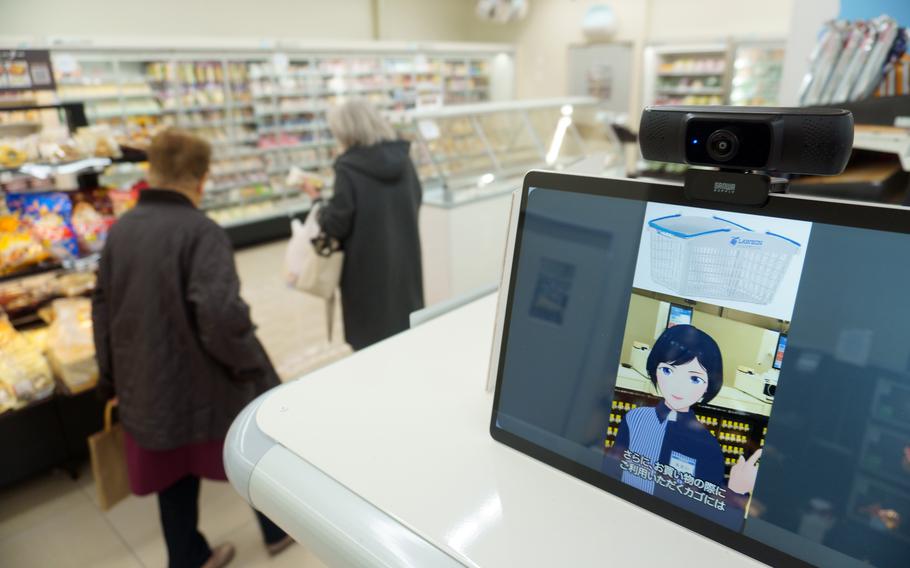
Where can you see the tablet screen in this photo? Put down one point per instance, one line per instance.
(643, 351)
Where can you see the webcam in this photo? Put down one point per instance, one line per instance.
(746, 146)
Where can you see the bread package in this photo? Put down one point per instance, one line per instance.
(70, 345)
(24, 372)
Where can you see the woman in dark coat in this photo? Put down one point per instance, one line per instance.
(175, 344)
(373, 212)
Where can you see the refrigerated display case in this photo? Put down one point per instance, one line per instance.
(471, 158)
(468, 151)
(757, 68)
(696, 74)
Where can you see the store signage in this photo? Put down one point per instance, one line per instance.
(26, 70)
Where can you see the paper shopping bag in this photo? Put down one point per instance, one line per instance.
(109, 462)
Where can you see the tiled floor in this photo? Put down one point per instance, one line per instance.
(53, 521)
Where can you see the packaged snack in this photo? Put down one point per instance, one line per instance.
(48, 216)
(97, 140)
(24, 372)
(18, 247)
(91, 228)
(70, 345)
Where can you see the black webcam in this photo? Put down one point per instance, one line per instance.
(746, 144)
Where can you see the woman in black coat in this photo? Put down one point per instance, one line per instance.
(373, 212)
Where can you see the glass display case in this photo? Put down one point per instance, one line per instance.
(472, 150)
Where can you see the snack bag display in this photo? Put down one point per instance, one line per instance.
(70, 345)
(48, 216)
(24, 372)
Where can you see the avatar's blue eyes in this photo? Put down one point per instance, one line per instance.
(696, 380)
(666, 371)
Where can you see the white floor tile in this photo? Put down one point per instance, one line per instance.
(251, 551)
(25, 505)
(76, 537)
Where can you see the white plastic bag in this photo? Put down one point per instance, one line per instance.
(307, 269)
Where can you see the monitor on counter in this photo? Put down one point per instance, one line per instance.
(618, 251)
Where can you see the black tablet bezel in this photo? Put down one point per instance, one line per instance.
(864, 216)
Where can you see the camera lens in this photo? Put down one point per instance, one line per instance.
(722, 145)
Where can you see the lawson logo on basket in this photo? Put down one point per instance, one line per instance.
(742, 242)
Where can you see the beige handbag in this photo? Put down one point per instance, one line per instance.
(108, 455)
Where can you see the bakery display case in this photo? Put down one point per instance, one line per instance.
(472, 150)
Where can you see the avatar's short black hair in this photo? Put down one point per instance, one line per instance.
(682, 343)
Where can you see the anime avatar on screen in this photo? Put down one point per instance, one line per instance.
(664, 449)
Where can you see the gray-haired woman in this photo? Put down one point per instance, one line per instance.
(373, 212)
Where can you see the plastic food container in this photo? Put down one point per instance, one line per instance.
(712, 257)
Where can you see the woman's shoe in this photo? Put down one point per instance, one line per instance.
(221, 556)
(277, 548)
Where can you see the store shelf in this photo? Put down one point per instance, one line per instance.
(46, 171)
(301, 146)
(217, 123)
(686, 92)
(24, 125)
(293, 128)
(122, 113)
(274, 170)
(107, 98)
(206, 108)
(314, 109)
(691, 73)
(223, 187)
(235, 171)
(280, 212)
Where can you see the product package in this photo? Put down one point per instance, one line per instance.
(97, 140)
(49, 218)
(70, 344)
(91, 227)
(19, 249)
(24, 372)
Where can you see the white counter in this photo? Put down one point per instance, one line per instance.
(385, 459)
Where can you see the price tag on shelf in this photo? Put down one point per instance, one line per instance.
(428, 129)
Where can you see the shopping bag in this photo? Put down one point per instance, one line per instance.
(109, 461)
(313, 260)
